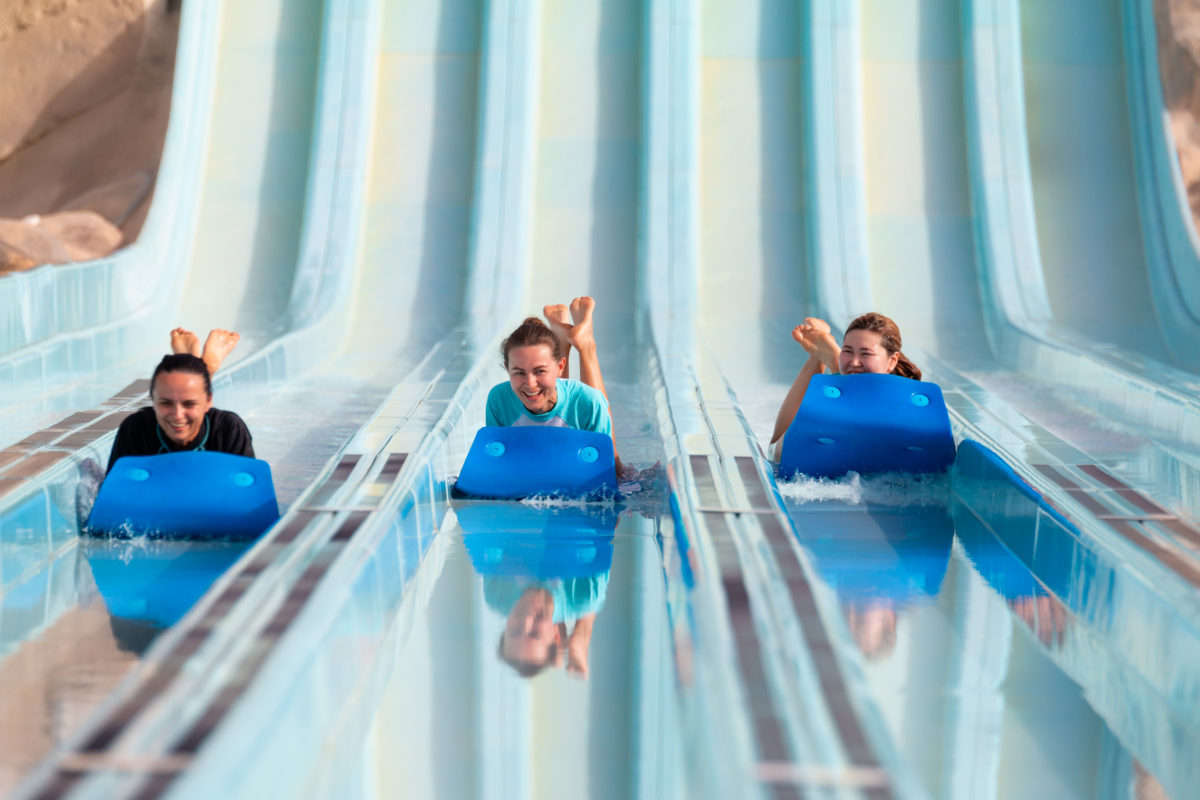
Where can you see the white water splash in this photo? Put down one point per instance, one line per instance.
(886, 488)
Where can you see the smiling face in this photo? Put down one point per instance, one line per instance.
(180, 403)
(530, 635)
(863, 351)
(532, 373)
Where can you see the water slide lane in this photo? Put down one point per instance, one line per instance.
(1038, 372)
(114, 603)
(938, 223)
(1144, 395)
(917, 199)
(423, 49)
(1081, 156)
(920, 226)
(570, 222)
(752, 177)
(426, 65)
(534, 736)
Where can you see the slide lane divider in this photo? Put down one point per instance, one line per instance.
(1106, 511)
(1188, 570)
(1116, 623)
(33, 464)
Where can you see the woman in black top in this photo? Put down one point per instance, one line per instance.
(181, 416)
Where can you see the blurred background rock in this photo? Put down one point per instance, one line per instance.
(86, 90)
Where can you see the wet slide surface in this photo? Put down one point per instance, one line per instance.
(984, 669)
(1081, 159)
(923, 264)
(543, 660)
(67, 596)
(922, 638)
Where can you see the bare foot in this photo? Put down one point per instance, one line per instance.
(818, 324)
(817, 341)
(559, 319)
(581, 334)
(217, 346)
(184, 341)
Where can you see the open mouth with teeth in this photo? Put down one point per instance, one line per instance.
(536, 400)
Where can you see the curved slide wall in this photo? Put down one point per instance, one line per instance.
(220, 246)
(523, 215)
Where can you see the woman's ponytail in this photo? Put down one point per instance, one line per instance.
(907, 369)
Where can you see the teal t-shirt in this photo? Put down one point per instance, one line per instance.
(573, 597)
(578, 406)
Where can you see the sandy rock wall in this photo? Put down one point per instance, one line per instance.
(1178, 24)
(85, 86)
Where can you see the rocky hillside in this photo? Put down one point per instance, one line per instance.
(86, 93)
(1179, 61)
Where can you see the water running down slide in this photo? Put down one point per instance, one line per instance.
(907, 248)
(584, 162)
(299, 425)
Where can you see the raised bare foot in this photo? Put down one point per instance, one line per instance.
(217, 346)
(818, 342)
(559, 319)
(581, 334)
(818, 324)
(184, 341)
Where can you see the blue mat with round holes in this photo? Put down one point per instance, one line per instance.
(524, 461)
(186, 496)
(517, 539)
(868, 423)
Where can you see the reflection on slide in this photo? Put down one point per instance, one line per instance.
(880, 560)
(547, 573)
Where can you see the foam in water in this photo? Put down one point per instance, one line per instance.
(885, 488)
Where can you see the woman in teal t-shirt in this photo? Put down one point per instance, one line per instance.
(539, 391)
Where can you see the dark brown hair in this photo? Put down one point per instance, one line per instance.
(183, 362)
(531, 331)
(527, 669)
(889, 334)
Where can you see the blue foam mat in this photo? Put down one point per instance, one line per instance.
(514, 539)
(868, 423)
(869, 552)
(524, 461)
(158, 586)
(191, 495)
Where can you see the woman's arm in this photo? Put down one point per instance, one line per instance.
(795, 395)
